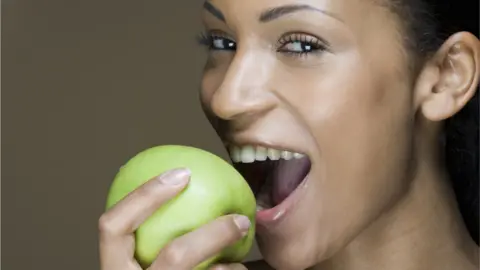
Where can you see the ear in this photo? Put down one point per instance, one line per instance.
(450, 79)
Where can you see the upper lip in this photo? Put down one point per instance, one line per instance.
(239, 140)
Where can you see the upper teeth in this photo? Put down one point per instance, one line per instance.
(248, 154)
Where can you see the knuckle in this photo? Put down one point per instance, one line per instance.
(106, 224)
(173, 254)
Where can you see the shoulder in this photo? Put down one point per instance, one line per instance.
(258, 265)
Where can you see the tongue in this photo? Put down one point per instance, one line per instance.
(287, 176)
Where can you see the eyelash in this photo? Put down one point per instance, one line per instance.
(208, 39)
(305, 41)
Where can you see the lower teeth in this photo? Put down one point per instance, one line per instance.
(260, 208)
(262, 205)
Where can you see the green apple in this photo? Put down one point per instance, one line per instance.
(215, 189)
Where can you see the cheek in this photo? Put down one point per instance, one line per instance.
(362, 128)
(355, 113)
(208, 86)
(211, 81)
(213, 75)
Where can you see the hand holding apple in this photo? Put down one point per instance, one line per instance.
(166, 222)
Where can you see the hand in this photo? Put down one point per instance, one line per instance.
(118, 224)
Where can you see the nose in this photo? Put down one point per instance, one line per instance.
(245, 89)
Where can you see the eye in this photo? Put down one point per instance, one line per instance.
(217, 42)
(298, 47)
(300, 44)
(221, 43)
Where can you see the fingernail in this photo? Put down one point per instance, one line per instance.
(219, 267)
(175, 177)
(243, 223)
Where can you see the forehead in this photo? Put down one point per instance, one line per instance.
(351, 11)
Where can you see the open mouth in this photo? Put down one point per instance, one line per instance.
(273, 174)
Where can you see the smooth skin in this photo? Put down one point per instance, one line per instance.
(377, 195)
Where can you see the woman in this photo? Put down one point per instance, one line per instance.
(348, 99)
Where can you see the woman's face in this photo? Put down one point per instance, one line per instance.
(322, 88)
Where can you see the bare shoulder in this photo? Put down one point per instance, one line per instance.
(258, 265)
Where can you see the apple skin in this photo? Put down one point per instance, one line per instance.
(215, 189)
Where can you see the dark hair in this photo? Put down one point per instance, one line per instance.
(427, 23)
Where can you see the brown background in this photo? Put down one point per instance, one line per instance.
(90, 83)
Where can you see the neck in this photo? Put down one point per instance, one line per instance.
(422, 231)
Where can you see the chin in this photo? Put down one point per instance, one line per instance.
(294, 256)
(302, 245)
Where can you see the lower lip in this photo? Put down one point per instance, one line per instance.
(273, 216)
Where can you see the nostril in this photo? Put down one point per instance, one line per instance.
(231, 106)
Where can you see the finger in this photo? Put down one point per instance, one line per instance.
(136, 207)
(235, 266)
(120, 257)
(117, 224)
(195, 247)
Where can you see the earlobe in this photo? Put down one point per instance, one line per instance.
(453, 78)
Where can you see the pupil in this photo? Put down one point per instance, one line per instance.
(223, 44)
(228, 44)
(306, 47)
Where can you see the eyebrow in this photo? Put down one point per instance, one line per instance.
(278, 12)
(213, 10)
(270, 14)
